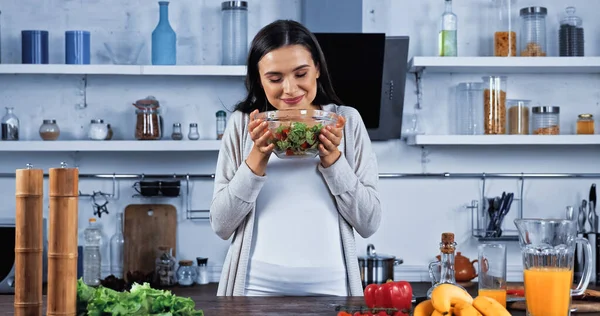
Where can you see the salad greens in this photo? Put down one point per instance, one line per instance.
(140, 300)
(296, 138)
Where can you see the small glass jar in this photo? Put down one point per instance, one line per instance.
(494, 105)
(49, 130)
(148, 124)
(193, 133)
(176, 134)
(221, 121)
(97, 130)
(518, 117)
(545, 120)
(505, 37)
(186, 274)
(570, 35)
(585, 124)
(533, 32)
(164, 269)
(202, 270)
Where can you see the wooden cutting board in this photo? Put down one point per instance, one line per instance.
(146, 227)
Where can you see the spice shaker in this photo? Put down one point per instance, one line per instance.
(193, 134)
(202, 270)
(176, 135)
(221, 117)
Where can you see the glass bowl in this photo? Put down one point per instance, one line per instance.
(296, 132)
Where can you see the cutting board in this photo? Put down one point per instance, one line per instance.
(580, 306)
(146, 227)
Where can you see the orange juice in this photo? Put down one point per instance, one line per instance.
(497, 294)
(548, 291)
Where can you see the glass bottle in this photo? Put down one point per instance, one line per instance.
(221, 121)
(92, 259)
(193, 134)
(164, 39)
(448, 36)
(570, 35)
(176, 135)
(505, 37)
(10, 125)
(117, 242)
(446, 263)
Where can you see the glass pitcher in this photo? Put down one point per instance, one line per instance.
(548, 247)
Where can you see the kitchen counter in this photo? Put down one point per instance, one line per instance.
(205, 298)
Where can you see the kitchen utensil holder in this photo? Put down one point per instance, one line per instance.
(479, 215)
(158, 187)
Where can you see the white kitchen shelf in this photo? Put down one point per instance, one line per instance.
(109, 145)
(502, 140)
(505, 65)
(134, 70)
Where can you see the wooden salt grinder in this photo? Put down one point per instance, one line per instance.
(29, 241)
(62, 241)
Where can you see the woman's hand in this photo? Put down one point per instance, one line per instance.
(261, 150)
(331, 137)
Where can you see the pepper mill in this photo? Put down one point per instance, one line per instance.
(29, 221)
(62, 241)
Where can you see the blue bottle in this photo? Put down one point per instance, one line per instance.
(164, 39)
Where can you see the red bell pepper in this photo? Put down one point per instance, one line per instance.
(391, 294)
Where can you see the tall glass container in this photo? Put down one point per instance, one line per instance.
(505, 37)
(494, 104)
(10, 125)
(234, 24)
(164, 39)
(448, 32)
(518, 117)
(570, 35)
(117, 242)
(469, 107)
(533, 31)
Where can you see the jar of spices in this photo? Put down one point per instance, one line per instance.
(545, 120)
(202, 270)
(148, 120)
(49, 130)
(570, 35)
(518, 117)
(110, 132)
(193, 134)
(98, 130)
(585, 124)
(221, 121)
(505, 37)
(186, 274)
(533, 31)
(176, 134)
(164, 269)
(494, 105)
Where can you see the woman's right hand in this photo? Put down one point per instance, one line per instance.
(261, 150)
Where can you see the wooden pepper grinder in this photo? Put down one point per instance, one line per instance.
(62, 241)
(29, 241)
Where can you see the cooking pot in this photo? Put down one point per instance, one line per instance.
(376, 268)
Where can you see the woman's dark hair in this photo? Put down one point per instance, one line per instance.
(273, 36)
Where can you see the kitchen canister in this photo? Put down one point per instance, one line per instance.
(77, 47)
(234, 32)
(34, 47)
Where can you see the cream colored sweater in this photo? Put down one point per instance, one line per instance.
(352, 181)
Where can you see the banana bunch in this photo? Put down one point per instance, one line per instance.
(451, 300)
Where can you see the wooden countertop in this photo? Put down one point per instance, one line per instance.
(205, 298)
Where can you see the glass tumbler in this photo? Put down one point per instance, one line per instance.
(492, 271)
(494, 105)
(469, 107)
(234, 36)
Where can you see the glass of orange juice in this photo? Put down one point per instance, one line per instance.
(492, 271)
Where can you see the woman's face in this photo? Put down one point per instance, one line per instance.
(289, 77)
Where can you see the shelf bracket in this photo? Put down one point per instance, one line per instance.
(83, 93)
(419, 84)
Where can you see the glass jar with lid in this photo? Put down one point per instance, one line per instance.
(186, 274)
(494, 105)
(193, 134)
(505, 37)
(570, 35)
(148, 121)
(98, 130)
(518, 117)
(49, 130)
(585, 124)
(545, 120)
(164, 269)
(221, 121)
(533, 32)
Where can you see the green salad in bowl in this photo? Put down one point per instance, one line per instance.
(296, 132)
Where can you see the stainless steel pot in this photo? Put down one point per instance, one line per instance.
(376, 268)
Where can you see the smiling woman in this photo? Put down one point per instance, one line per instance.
(293, 234)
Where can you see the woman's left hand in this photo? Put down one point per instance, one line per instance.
(331, 137)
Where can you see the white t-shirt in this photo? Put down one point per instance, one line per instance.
(296, 247)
